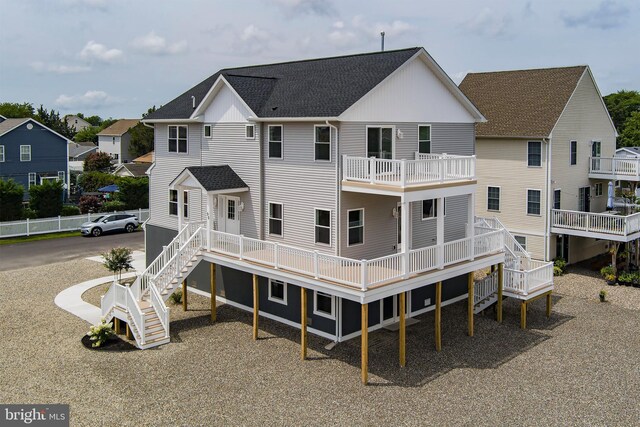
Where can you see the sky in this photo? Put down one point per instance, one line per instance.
(117, 58)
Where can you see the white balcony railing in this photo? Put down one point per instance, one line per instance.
(620, 166)
(426, 169)
(535, 275)
(603, 223)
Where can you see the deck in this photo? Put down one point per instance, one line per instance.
(614, 168)
(607, 225)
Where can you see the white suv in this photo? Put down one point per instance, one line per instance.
(111, 222)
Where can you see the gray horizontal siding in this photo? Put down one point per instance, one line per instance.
(455, 221)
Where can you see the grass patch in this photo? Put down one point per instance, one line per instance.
(34, 238)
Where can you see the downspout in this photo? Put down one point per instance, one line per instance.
(547, 234)
(338, 189)
(261, 185)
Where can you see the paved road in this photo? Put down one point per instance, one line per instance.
(29, 254)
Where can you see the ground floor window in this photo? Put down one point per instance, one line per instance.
(522, 240)
(173, 202)
(32, 178)
(277, 291)
(324, 305)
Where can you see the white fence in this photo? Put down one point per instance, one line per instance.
(53, 225)
(623, 166)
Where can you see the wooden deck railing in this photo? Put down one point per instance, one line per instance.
(596, 222)
(622, 166)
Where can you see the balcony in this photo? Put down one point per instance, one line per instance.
(436, 170)
(533, 276)
(614, 168)
(607, 226)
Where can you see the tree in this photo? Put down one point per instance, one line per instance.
(46, 198)
(89, 204)
(53, 121)
(87, 134)
(94, 120)
(100, 162)
(116, 260)
(621, 104)
(91, 181)
(630, 135)
(11, 196)
(134, 192)
(15, 110)
(141, 140)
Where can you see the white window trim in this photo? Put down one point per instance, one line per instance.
(554, 197)
(534, 166)
(393, 138)
(430, 137)
(515, 236)
(32, 181)
(177, 203)
(526, 206)
(204, 133)
(363, 228)
(29, 153)
(331, 316)
(269, 218)
(253, 126)
(315, 224)
(178, 140)
(435, 216)
(185, 204)
(275, 299)
(595, 189)
(315, 142)
(281, 142)
(61, 176)
(499, 198)
(1, 153)
(570, 144)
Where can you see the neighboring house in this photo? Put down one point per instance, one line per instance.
(315, 193)
(2, 118)
(132, 169)
(78, 151)
(114, 140)
(77, 123)
(31, 153)
(534, 154)
(145, 158)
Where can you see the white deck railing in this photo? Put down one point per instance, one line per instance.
(622, 166)
(485, 287)
(533, 276)
(596, 222)
(426, 169)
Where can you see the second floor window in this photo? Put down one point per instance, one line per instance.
(207, 131)
(573, 152)
(557, 194)
(250, 131)
(25, 153)
(275, 219)
(323, 226)
(173, 202)
(1, 153)
(115, 156)
(61, 176)
(424, 139)
(177, 139)
(493, 198)
(533, 202)
(275, 142)
(185, 204)
(323, 143)
(598, 189)
(430, 208)
(355, 233)
(534, 153)
(380, 142)
(32, 178)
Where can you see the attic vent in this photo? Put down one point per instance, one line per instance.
(193, 101)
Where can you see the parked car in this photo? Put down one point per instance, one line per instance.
(111, 222)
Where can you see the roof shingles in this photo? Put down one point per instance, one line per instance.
(217, 178)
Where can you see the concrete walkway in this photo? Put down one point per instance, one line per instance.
(71, 298)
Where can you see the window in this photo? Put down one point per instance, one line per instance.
(355, 235)
(185, 204)
(207, 131)
(275, 142)
(323, 226)
(231, 209)
(573, 155)
(275, 219)
(534, 153)
(250, 131)
(277, 291)
(115, 156)
(430, 208)
(598, 189)
(533, 202)
(25, 153)
(32, 178)
(323, 143)
(493, 198)
(113, 139)
(1, 153)
(424, 139)
(324, 305)
(61, 176)
(380, 142)
(177, 139)
(557, 195)
(173, 202)
(522, 241)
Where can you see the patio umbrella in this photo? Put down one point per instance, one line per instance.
(112, 188)
(610, 195)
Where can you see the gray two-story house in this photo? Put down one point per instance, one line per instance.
(318, 193)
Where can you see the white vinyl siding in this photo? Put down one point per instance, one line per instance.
(25, 153)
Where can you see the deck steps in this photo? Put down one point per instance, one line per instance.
(484, 304)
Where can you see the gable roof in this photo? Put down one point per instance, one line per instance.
(79, 148)
(323, 87)
(135, 169)
(8, 125)
(119, 128)
(522, 103)
(632, 150)
(145, 158)
(212, 178)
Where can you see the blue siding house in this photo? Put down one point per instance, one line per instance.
(31, 153)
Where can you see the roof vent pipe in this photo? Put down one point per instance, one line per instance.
(382, 41)
(193, 101)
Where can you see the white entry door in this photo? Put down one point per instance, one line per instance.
(228, 214)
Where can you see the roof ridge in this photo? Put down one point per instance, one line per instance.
(530, 69)
(249, 77)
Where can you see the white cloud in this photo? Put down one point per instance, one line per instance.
(253, 33)
(59, 68)
(342, 38)
(338, 24)
(90, 99)
(312, 7)
(360, 31)
(488, 23)
(157, 45)
(99, 52)
(608, 14)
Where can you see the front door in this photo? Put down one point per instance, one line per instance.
(228, 214)
(584, 199)
(596, 151)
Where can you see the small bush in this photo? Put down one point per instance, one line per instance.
(100, 333)
(625, 278)
(603, 295)
(557, 271)
(89, 204)
(70, 210)
(117, 260)
(561, 264)
(176, 297)
(28, 213)
(11, 195)
(113, 205)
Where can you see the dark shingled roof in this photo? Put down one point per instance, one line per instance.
(323, 87)
(214, 178)
(523, 102)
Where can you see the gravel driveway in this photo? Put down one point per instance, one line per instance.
(582, 367)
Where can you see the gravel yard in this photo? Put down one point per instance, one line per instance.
(581, 367)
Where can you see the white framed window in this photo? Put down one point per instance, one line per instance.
(424, 139)
(177, 141)
(1, 153)
(250, 131)
(231, 209)
(173, 202)
(522, 240)
(115, 156)
(430, 208)
(573, 152)
(25, 153)
(113, 139)
(493, 198)
(32, 178)
(534, 153)
(275, 219)
(277, 291)
(598, 189)
(61, 176)
(380, 141)
(533, 202)
(207, 131)
(355, 227)
(322, 143)
(185, 204)
(323, 226)
(324, 305)
(557, 197)
(275, 141)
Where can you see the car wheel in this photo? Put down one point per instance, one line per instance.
(95, 232)
(129, 228)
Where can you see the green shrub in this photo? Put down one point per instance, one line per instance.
(99, 161)
(113, 205)
(46, 198)
(28, 213)
(70, 210)
(134, 192)
(100, 333)
(11, 196)
(561, 264)
(91, 181)
(176, 297)
(557, 271)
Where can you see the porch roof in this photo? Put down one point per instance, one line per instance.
(211, 178)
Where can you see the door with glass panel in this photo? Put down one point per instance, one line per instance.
(380, 142)
(596, 151)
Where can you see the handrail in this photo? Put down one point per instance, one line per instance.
(624, 166)
(136, 315)
(161, 308)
